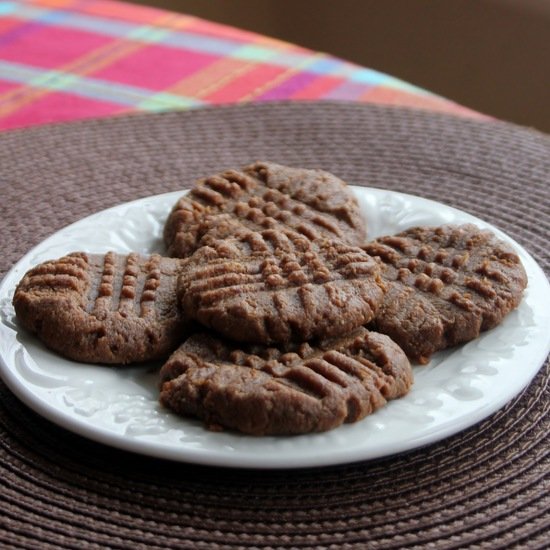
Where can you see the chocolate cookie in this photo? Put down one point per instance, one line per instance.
(290, 390)
(446, 285)
(103, 308)
(277, 286)
(266, 195)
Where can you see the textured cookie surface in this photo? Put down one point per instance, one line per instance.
(103, 308)
(277, 286)
(265, 195)
(294, 389)
(446, 285)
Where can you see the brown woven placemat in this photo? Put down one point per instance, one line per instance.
(486, 487)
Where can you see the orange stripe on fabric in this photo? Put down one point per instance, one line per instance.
(212, 78)
(282, 77)
(318, 88)
(128, 12)
(271, 83)
(122, 9)
(54, 3)
(246, 86)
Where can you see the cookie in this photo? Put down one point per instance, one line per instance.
(446, 285)
(265, 195)
(277, 286)
(294, 389)
(107, 308)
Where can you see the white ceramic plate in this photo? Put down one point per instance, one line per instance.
(119, 407)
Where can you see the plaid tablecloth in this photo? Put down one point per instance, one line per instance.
(63, 60)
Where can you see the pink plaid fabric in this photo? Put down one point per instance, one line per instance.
(70, 59)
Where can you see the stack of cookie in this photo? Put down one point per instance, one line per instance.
(287, 319)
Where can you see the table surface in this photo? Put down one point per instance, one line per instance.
(85, 61)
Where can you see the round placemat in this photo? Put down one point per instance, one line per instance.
(486, 487)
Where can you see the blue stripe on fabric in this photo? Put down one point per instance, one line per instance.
(371, 77)
(283, 58)
(7, 7)
(56, 17)
(368, 76)
(252, 52)
(92, 88)
(292, 59)
(205, 44)
(148, 34)
(16, 72)
(164, 102)
(325, 65)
